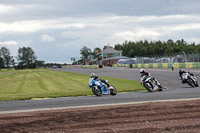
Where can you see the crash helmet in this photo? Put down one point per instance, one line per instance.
(142, 70)
(180, 71)
(92, 75)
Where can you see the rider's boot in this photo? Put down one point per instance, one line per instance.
(160, 88)
(110, 87)
(183, 81)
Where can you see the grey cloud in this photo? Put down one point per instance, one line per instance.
(95, 23)
(82, 8)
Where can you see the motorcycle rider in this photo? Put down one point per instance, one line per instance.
(93, 75)
(146, 74)
(181, 72)
(143, 72)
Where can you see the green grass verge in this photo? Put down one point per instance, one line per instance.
(43, 83)
(90, 66)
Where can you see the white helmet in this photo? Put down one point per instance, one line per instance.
(92, 75)
(142, 70)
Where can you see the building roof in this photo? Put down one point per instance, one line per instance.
(93, 60)
(110, 50)
(117, 57)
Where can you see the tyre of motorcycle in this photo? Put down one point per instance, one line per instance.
(96, 90)
(113, 91)
(191, 82)
(149, 86)
(196, 84)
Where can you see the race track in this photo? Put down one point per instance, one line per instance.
(167, 78)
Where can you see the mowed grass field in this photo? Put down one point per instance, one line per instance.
(44, 83)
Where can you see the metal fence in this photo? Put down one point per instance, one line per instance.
(175, 58)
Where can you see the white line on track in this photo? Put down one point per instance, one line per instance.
(99, 105)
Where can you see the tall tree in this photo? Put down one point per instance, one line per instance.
(1, 61)
(97, 53)
(118, 47)
(85, 52)
(107, 46)
(13, 62)
(40, 63)
(6, 57)
(26, 57)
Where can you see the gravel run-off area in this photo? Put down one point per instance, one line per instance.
(156, 117)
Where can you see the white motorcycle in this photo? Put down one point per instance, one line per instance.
(190, 79)
(150, 83)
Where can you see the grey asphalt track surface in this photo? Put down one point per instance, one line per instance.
(167, 78)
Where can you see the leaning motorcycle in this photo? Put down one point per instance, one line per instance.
(190, 79)
(99, 88)
(151, 84)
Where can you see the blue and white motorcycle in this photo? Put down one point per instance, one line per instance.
(100, 87)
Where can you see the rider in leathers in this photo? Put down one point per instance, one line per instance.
(181, 72)
(143, 72)
(93, 75)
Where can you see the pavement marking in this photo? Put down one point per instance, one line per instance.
(99, 105)
(38, 98)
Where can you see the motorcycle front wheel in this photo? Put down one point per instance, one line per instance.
(196, 84)
(96, 90)
(113, 91)
(191, 82)
(149, 86)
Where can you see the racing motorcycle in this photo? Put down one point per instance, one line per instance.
(100, 87)
(151, 84)
(190, 79)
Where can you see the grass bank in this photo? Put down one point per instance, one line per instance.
(42, 83)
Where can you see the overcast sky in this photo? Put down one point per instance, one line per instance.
(57, 29)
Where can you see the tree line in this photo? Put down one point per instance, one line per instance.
(25, 59)
(144, 49)
(154, 48)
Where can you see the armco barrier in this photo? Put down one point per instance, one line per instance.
(164, 65)
(189, 65)
(176, 65)
(196, 65)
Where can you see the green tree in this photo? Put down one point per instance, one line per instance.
(97, 53)
(145, 48)
(13, 62)
(26, 57)
(118, 47)
(40, 63)
(6, 57)
(1, 61)
(107, 46)
(85, 52)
